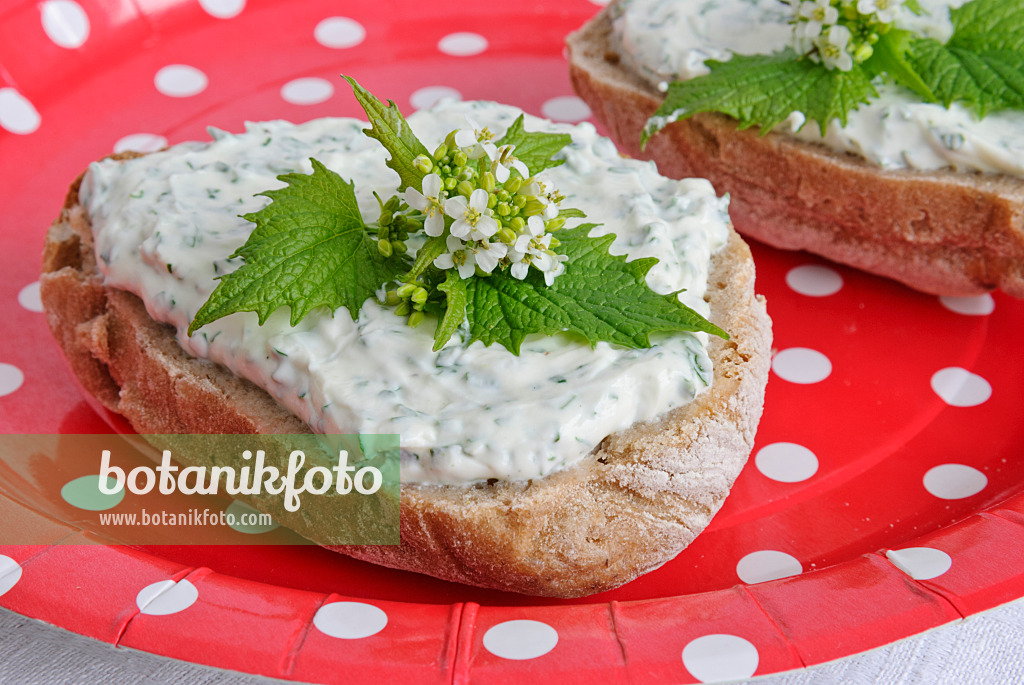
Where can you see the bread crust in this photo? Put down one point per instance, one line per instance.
(625, 509)
(941, 232)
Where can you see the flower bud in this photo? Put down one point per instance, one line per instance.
(514, 184)
(440, 152)
(386, 218)
(502, 209)
(487, 182)
(465, 188)
(393, 204)
(419, 296)
(423, 164)
(533, 207)
(450, 183)
(399, 246)
(518, 224)
(459, 158)
(403, 309)
(554, 224)
(416, 318)
(384, 247)
(863, 53)
(506, 235)
(519, 201)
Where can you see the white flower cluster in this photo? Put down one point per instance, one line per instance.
(497, 219)
(840, 33)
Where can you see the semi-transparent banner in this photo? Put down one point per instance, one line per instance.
(199, 489)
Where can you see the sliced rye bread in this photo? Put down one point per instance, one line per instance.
(626, 508)
(941, 232)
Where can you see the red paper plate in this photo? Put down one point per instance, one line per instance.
(885, 495)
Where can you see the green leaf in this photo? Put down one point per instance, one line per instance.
(599, 296)
(425, 256)
(534, 149)
(988, 26)
(390, 128)
(571, 213)
(454, 289)
(985, 81)
(983, 61)
(890, 56)
(310, 249)
(764, 90)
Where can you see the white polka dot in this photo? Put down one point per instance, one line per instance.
(65, 23)
(462, 44)
(10, 573)
(565, 108)
(17, 114)
(814, 280)
(424, 98)
(713, 658)
(767, 564)
(801, 365)
(180, 81)
(140, 142)
(223, 9)
(339, 32)
(307, 91)
(954, 481)
(11, 379)
(979, 305)
(521, 639)
(166, 597)
(920, 563)
(28, 297)
(350, 620)
(960, 388)
(786, 462)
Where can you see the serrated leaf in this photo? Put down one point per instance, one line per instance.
(390, 128)
(985, 81)
(454, 289)
(310, 249)
(599, 296)
(764, 90)
(534, 149)
(988, 26)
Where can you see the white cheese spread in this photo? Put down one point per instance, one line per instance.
(666, 40)
(165, 224)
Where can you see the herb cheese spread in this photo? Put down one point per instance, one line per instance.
(665, 40)
(165, 223)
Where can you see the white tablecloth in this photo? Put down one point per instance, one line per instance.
(987, 649)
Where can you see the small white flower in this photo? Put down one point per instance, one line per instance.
(820, 11)
(556, 269)
(476, 141)
(471, 218)
(533, 248)
(488, 254)
(815, 15)
(504, 162)
(832, 48)
(428, 202)
(884, 10)
(804, 35)
(466, 257)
